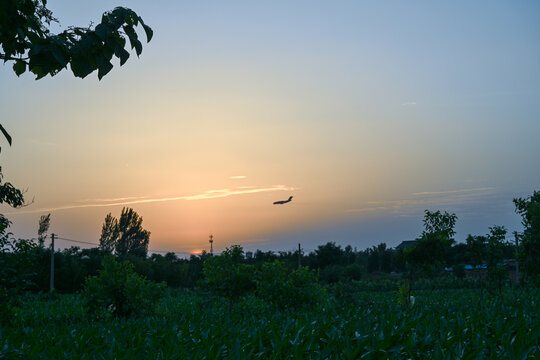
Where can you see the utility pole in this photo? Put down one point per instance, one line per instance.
(211, 241)
(516, 236)
(299, 256)
(52, 263)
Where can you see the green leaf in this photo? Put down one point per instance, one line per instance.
(103, 30)
(133, 40)
(57, 54)
(81, 66)
(6, 135)
(137, 45)
(149, 32)
(38, 70)
(19, 67)
(123, 55)
(104, 68)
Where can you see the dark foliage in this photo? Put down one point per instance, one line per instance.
(529, 251)
(26, 40)
(118, 290)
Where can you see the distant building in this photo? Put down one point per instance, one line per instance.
(406, 244)
(249, 255)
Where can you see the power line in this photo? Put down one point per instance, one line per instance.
(76, 241)
(149, 250)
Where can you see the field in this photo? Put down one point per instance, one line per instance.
(441, 324)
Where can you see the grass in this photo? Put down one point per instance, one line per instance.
(442, 324)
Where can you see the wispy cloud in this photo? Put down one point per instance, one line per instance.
(112, 199)
(237, 177)
(454, 191)
(408, 103)
(423, 200)
(210, 194)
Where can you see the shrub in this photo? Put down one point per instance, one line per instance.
(497, 276)
(224, 274)
(459, 271)
(119, 290)
(349, 293)
(7, 313)
(354, 271)
(294, 290)
(332, 274)
(404, 297)
(17, 257)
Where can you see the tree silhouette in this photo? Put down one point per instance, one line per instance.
(529, 209)
(44, 224)
(109, 234)
(430, 251)
(132, 238)
(328, 254)
(125, 236)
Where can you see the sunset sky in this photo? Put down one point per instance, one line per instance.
(367, 112)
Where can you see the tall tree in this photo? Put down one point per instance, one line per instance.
(429, 253)
(44, 224)
(439, 224)
(495, 245)
(109, 234)
(132, 238)
(476, 248)
(529, 252)
(497, 273)
(328, 254)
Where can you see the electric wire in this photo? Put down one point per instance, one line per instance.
(149, 250)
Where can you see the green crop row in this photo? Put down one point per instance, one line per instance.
(442, 324)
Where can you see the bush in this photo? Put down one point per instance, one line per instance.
(332, 274)
(404, 297)
(224, 274)
(354, 271)
(294, 290)
(459, 271)
(17, 257)
(119, 290)
(349, 293)
(7, 313)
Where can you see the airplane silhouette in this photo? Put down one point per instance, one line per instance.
(283, 201)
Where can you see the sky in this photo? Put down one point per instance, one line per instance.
(366, 112)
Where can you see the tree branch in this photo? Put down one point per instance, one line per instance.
(7, 58)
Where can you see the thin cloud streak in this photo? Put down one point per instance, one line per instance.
(210, 194)
(453, 191)
(408, 103)
(440, 198)
(113, 199)
(237, 177)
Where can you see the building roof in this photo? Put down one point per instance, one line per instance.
(406, 244)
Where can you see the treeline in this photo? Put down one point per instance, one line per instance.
(25, 264)
(332, 263)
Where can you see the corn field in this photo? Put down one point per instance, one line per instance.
(441, 324)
